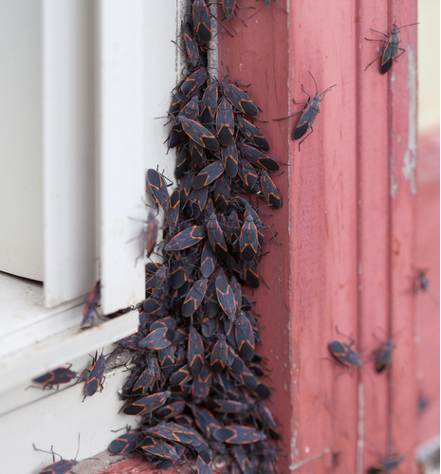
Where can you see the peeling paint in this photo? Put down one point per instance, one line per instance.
(213, 51)
(410, 155)
(393, 183)
(360, 428)
(293, 467)
(393, 78)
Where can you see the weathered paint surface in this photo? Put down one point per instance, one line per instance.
(427, 304)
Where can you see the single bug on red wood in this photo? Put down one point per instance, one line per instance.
(309, 113)
(344, 353)
(386, 465)
(390, 51)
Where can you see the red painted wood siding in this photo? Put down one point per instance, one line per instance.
(427, 305)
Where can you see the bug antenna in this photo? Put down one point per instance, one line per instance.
(78, 450)
(315, 82)
(327, 90)
(48, 452)
(405, 26)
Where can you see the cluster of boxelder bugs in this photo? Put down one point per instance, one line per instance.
(197, 382)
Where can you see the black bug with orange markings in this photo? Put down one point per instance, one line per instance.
(309, 113)
(60, 467)
(344, 353)
(90, 309)
(391, 48)
(56, 377)
(96, 375)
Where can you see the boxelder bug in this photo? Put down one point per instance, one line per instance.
(96, 375)
(225, 123)
(125, 444)
(344, 353)
(60, 467)
(90, 308)
(249, 241)
(199, 134)
(383, 355)
(309, 113)
(194, 297)
(187, 238)
(390, 51)
(208, 175)
(244, 337)
(201, 20)
(159, 448)
(225, 297)
(191, 45)
(204, 464)
(387, 464)
(236, 434)
(56, 377)
(147, 404)
(159, 188)
(195, 352)
(239, 100)
(201, 385)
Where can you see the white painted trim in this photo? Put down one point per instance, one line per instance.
(68, 149)
(121, 82)
(62, 348)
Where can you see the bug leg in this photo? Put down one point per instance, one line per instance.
(370, 64)
(342, 334)
(309, 97)
(289, 116)
(306, 137)
(401, 49)
(368, 39)
(381, 33)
